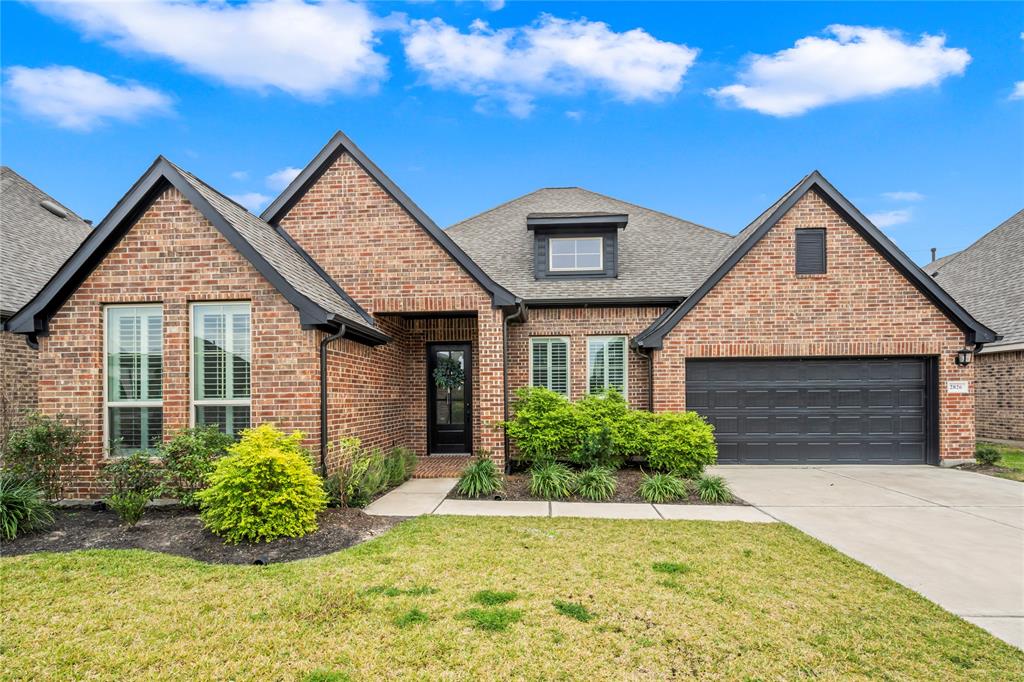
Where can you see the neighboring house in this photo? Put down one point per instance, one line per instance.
(987, 278)
(37, 234)
(809, 337)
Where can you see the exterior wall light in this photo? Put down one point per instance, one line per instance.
(963, 357)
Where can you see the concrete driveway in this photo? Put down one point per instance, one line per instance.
(953, 536)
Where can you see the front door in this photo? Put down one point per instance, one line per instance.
(449, 389)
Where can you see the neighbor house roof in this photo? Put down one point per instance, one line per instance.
(34, 241)
(319, 300)
(975, 331)
(932, 268)
(660, 257)
(987, 278)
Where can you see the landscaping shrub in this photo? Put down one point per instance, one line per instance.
(607, 430)
(40, 449)
(23, 506)
(480, 477)
(551, 481)
(399, 465)
(713, 489)
(188, 460)
(596, 483)
(367, 476)
(134, 480)
(334, 488)
(264, 489)
(986, 454)
(681, 443)
(544, 426)
(661, 488)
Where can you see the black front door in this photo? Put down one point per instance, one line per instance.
(449, 389)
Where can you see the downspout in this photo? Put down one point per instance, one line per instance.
(518, 316)
(323, 396)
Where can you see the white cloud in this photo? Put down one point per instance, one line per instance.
(574, 115)
(240, 175)
(80, 100)
(282, 178)
(857, 62)
(254, 201)
(903, 196)
(898, 216)
(303, 49)
(494, 5)
(510, 67)
(1018, 90)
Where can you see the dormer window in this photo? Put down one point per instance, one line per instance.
(576, 254)
(575, 245)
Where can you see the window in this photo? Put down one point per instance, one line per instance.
(549, 364)
(810, 251)
(134, 391)
(575, 254)
(221, 376)
(606, 363)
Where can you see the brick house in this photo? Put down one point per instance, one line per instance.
(808, 337)
(987, 278)
(37, 234)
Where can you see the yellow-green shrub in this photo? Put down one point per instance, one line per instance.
(264, 489)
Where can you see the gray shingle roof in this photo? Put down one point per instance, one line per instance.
(987, 278)
(282, 256)
(933, 267)
(660, 256)
(34, 242)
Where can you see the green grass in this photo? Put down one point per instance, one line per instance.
(411, 617)
(492, 598)
(1013, 459)
(762, 601)
(671, 567)
(573, 610)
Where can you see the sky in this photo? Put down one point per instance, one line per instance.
(707, 111)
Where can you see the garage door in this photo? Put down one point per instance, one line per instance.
(832, 411)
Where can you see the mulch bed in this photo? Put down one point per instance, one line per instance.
(517, 488)
(180, 532)
(994, 470)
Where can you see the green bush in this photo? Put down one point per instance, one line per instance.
(545, 425)
(399, 464)
(551, 481)
(713, 489)
(367, 476)
(134, 480)
(661, 488)
(41, 449)
(606, 436)
(681, 443)
(480, 477)
(129, 506)
(23, 506)
(264, 489)
(986, 454)
(596, 483)
(188, 460)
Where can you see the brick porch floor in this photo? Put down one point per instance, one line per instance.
(441, 466)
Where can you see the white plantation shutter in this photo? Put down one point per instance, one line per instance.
(222, 368)
(606, 363)
(549, 364)
(134, 392)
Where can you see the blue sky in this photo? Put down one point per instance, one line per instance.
(705, 111)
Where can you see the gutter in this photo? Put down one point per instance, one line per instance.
(323, 395)
(519, 315)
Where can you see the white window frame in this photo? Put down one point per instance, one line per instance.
(625, 362)
(107, 402)
(193, 369)
(551, 253)
(568, 361)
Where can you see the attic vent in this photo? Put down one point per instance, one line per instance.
(53, 208)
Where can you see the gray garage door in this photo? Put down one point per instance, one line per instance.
(834, 411)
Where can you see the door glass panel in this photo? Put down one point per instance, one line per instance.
(441, 412)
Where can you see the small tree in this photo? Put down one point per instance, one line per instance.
(41, 449)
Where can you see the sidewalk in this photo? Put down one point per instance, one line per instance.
(427, 496)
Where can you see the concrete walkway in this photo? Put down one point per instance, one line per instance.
(427, 496)
(955, 537)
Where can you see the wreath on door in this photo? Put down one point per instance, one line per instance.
(449, 374)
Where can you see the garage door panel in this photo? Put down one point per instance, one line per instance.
(814, 411)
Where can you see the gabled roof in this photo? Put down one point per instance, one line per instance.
(319, 300)
(987, 278)
(340, 144)
(933, 267)
(35, 240)
(660, 257)
(975, 332)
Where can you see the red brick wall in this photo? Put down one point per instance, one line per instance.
(174, 256)
(19, 378)
(577, 324)
(1000, 395)
(862, 306)
(388, 263)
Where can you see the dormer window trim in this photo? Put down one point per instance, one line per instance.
(576, 254)
(575, 228)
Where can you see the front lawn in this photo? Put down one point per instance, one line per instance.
(1010, 464)
(489, 598)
